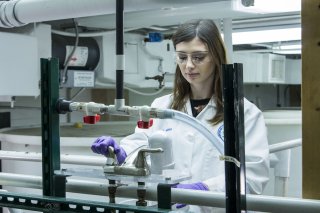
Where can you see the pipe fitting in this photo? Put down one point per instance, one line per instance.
(8, 17)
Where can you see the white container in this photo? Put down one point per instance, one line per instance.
(284, 125)
(163, 160)
(73, 141)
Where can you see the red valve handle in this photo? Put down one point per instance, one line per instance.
(145, 124)
(91, 119)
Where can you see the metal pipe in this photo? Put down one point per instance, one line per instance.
(254, 202)
(231, 140)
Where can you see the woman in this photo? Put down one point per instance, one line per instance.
(197, 91)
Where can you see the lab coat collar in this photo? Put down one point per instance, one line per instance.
(210, 104)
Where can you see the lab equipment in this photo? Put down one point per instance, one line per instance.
(135, 166)
(102, 144)
(92, 109)
(163, 160)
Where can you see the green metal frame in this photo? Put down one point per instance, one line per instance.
(50, 128)
(56, 204)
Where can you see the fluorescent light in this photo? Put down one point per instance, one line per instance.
(272, 6)
(266, 36)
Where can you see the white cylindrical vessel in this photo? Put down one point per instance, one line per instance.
(285, 125)
(74, 141)
(162, 160)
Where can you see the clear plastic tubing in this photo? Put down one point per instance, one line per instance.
(180, 116)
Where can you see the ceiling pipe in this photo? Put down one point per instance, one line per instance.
(16, 13)
(167, 16)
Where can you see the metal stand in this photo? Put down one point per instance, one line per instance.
(141, 193)
(234, 145)
(52, 185)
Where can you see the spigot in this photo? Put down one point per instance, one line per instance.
(144, 124)
(159, 78)
(91, 119)
(137, 167)
(140, 161)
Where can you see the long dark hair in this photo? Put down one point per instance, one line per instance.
(208, 33)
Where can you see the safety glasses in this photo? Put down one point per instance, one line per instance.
(197, 58)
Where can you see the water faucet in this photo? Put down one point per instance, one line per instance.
(137, 167)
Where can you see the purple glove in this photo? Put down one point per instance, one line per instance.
(194, 186)
(101, 145)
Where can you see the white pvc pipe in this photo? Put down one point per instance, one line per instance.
(227, 37)
(16, 13)
(195, 197)
(19, 12)
(281, 186)
(285, 145)
(100, 160)
(64, 158)
(282, 167)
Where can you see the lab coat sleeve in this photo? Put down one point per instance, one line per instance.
(257, 151)
(134, 141)
(257, 155)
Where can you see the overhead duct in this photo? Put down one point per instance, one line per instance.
(17, 13)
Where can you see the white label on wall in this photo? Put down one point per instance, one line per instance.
(83, 79)
(79, 57)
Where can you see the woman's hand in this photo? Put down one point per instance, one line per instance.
(101, 146)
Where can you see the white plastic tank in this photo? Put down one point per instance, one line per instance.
(74, 140)
(285, 125)
(164, 160)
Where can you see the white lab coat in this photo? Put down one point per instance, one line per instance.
(194, 153)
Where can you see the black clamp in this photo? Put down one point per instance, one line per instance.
(164, 195)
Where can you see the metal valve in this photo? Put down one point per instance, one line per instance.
(140, 161)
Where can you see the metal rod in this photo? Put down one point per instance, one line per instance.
(240, 135)
(119, 49)
(232, 173)
(214, 199)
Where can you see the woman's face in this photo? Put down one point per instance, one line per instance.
(195, 63)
